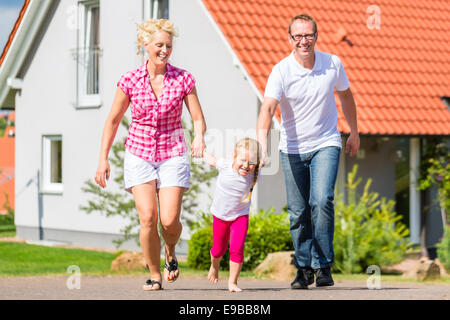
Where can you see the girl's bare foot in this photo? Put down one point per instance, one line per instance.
(232, 287)
(213, 274)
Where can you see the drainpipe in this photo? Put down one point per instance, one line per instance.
(414, 192)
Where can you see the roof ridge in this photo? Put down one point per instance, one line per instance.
(14, 30)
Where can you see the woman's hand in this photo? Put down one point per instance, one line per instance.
(103, 171)
(198, 146)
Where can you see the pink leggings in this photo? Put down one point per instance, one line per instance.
(235, 231)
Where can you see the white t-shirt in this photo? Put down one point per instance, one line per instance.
(231, 190)
(308, 109)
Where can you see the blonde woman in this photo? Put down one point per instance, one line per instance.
(156, 165)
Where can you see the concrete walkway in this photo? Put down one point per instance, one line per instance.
(126, 287)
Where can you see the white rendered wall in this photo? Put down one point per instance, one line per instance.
(46, 106)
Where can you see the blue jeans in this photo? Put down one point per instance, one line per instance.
(310, 179)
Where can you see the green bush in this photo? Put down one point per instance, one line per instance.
(200, 245)
(444, 249)
(267, 232)
(6, 219)
(367, 230)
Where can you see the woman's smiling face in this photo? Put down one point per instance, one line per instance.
(159, 48)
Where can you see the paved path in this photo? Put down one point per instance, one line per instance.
(195, 288)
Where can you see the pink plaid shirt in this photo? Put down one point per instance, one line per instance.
(156, 133)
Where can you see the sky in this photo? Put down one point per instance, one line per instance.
(9, 11)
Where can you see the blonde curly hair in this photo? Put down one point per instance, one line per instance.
(147, 30)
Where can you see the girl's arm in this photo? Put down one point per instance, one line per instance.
(118, 109)
(210, 159)
(193, 105)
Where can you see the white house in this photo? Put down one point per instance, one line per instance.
(59, 72)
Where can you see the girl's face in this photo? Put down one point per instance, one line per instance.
(159, 48)
(244, 162)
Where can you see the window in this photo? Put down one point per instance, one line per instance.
(401, 159)
(88, 54)
(156, 9)
(52, 164)
(446, 101)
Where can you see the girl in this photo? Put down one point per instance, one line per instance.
(231, 206)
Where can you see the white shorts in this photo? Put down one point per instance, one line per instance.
(173, 172)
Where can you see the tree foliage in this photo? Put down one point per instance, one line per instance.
(435, 171)
(367, 229)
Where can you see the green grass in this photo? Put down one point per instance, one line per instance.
(21, 259)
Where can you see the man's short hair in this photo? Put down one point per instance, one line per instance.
(303, 17)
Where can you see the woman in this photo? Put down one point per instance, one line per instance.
(156, 166)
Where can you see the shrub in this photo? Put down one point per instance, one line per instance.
(268, 232)
(200, 244)
(6, 219)
(367, 230)
(444, 249)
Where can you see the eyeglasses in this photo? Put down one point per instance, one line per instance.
(298, 37)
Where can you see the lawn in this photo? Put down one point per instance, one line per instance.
(21, 259)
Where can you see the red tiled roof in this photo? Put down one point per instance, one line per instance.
(397, 73)
(14, 30)
(7, 152)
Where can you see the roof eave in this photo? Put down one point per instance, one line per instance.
(20, 46)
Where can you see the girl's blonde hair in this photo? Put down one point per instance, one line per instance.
(147, 30)
(253, 147)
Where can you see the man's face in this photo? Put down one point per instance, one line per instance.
(303, 45)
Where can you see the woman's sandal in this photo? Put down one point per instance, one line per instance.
(150, 283)
(172, 266)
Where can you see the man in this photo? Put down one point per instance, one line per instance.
(304, 83)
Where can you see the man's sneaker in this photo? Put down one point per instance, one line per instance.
(308, 272)
(323, 277)
(299, 281)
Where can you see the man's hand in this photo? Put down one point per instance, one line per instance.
(352, 145)
(266, 113)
